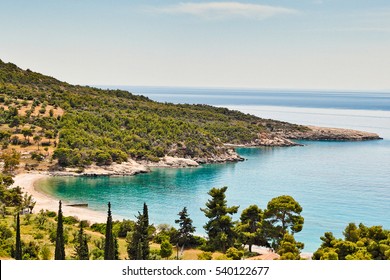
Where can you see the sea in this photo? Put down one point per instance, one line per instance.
(336, 183)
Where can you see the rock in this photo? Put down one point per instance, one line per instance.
(331, 134)
(169, 161)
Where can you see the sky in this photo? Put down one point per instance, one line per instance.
(278, 44)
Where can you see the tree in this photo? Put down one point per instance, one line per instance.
(138, 242)
(27, 132)
(11, 160)
(360, 243)
(186, 228)
(37, 139)
(109, 247)
(219, 228)
(28, 202)
(81, 247)
(289, 249)
(282, 216)
(59, 253)
(250, 227)
(18, 245)
(145, 233)
(166, 249)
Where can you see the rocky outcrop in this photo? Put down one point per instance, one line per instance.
(230, 155)
(130, 167)
(169, 161)
(331, 134)
(267, 140)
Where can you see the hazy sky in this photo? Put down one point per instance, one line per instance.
(297, 44)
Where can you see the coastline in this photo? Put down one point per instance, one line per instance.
(27, 182)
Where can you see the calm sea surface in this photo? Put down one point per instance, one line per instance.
(335, 182)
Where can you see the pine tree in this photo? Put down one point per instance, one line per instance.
(18, 249)
(60, 244)
(186, 228)
(81, 247)
(109, 247)
(220, 225)
(250, 231)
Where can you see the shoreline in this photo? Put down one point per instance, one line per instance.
(27, 182)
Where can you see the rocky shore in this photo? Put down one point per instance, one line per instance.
(265, 139)
(316, 133)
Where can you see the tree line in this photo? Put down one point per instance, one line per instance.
(273, 227)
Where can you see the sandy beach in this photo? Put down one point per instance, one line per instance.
(27, 183)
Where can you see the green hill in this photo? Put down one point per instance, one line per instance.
(80, 125)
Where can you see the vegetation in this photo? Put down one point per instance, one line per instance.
(283, 215)
(109, 247)
(79, 125)
(360, 243)
(60, 240)
(220, 227)
(290, 249)
(186, 229)
(138, 241)
(81, 247)
(18, 244)
(250, 229)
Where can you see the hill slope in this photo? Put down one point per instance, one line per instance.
(80, 125)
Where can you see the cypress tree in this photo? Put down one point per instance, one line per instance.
(18, 249)
(138, 247)
(145, 233)
(109, 247)
(134, 248)
(60, 244)
(81, 248)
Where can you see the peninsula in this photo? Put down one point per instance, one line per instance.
(69, 129)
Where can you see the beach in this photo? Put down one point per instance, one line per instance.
(28, 181)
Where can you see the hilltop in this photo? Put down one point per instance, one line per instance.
(55, 125)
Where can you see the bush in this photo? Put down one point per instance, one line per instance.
(99, 227)
(70, 220)
(205, 256)
(103, 158)
(234, 253)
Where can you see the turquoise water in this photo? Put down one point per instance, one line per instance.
(335, 182)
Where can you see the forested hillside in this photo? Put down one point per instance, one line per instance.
(80, 125)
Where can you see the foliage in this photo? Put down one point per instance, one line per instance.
(138, 241)
(282, 216)
(11, 160)
(360, 243)
(186, 230)
(289, 249)
(205, 256)
(220, 227)
(250, 231)
(81, 248)
(105, 126)
(234, 253)
(166, 249)
(109, 248)
(60, 244)
(18, 244)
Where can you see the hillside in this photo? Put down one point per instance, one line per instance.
(53, 123)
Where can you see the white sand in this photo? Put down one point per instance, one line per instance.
(27, 183)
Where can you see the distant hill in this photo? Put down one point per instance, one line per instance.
(80, 125)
